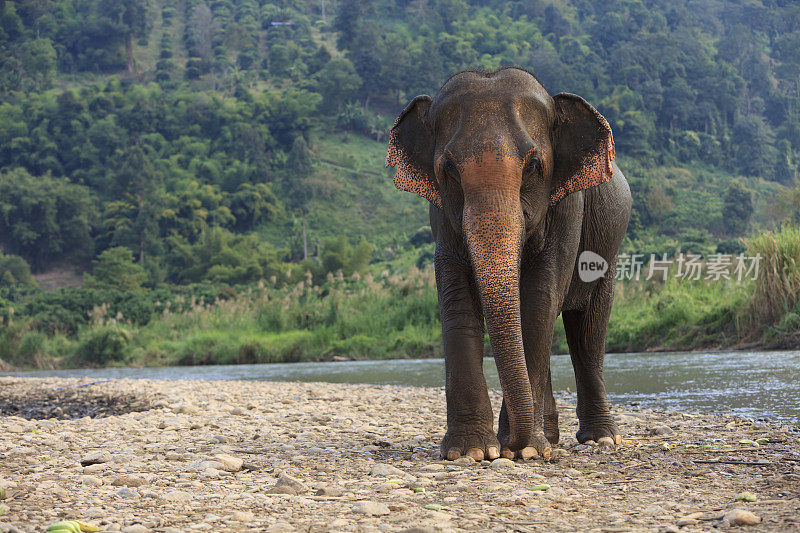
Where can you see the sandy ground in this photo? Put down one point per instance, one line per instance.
(259, 456)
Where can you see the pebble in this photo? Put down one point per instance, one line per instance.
(464, 460)
(96, 457)
(663, 430)
(177, 496)
(741, 517)
(243, 516)
(91, 481)
(654, 510)
(370, 508)
(328, 490)
(186, 408)
(125, 492)
(14, 428)
(135, 528)
(286, 484)
(502, 462)
(382, 469)
(93, 469)
(558, 455)
(128, 481)
(229, 462)
(281, 526)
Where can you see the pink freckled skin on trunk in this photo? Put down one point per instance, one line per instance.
(494, 228)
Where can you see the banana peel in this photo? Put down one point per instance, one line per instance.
(72, 526)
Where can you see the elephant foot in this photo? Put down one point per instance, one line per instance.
(479, 444)
(605, 434)
(538, 446)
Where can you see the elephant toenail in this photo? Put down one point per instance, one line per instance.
(528, 452)
(605, 441)
(453, 454)
(492, 453)
(475, 453)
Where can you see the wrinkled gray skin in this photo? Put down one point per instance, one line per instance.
(494, 147)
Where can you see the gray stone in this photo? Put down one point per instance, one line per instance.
(370, 508)
(128, 481)
(229, 462)
(502, 463)
(135, 528)
(125, 492)
(329, 490)
(663, 430)
(95, 457)
(286, 484)
(281, 526)
(243, 516)
(91, 481)
(741, 517)
(177, 496)
(382, 469)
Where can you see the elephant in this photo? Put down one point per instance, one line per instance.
(520, 184)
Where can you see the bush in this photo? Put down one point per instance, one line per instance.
(115, 269)
(103, 345)
(14, 270)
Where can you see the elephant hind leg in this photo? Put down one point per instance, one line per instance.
(586, 336)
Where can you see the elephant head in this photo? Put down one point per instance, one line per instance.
(495, 151)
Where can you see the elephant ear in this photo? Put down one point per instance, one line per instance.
(411, 151)
(583, 147)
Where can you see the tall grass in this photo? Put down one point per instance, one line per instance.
(775, 302)
(388, 317)
(777, 289)
(391, 316)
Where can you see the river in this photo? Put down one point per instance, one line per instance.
(757, 385)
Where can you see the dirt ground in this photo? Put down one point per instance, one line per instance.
(261, 456)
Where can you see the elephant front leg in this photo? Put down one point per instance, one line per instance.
(469, 412)
(586, 336)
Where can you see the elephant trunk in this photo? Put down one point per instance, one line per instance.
(493, 227)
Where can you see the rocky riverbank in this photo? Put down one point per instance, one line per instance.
(244, 456)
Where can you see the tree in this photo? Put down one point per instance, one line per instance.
(348, 21)
(44, 219)
(755, 153)
(137, 183)
(35, 9)
(298, 168)
(737, 208)
(337, 83)
(14, 271)
(133, 18)
(38, 58)
(115, 269)
(785, 170)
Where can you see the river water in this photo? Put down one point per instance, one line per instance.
(757, 385)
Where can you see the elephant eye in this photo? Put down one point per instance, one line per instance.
(450, 169)
(532, 166)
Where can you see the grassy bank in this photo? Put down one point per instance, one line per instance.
(388, 316)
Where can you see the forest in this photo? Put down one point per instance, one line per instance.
(163, 159)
